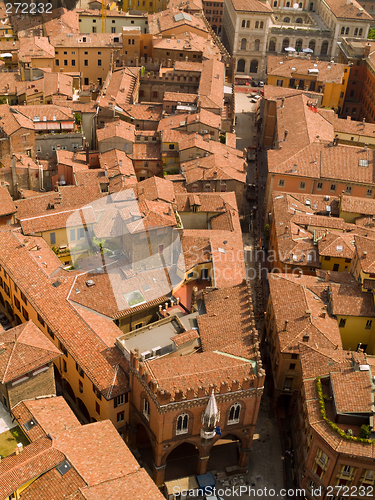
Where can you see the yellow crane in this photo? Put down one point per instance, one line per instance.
(104, 16)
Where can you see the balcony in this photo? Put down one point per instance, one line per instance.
(208, 434)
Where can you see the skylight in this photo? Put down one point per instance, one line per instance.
(363, 163)
(134, 298)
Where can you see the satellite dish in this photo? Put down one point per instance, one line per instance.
(295, 6)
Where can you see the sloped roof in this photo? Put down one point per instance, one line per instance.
(24, 348)
(7, 207)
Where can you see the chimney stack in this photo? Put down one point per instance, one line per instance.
(286, 324)
(367, 50)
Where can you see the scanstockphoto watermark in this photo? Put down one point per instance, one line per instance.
(238, 492)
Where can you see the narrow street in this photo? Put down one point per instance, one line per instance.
(266, 465)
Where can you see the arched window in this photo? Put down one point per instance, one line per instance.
(356, 32)
(324, 49)
(371, 8)
(312, 45)
(241, 66)
(300, 5)
(298, 45)
(272, 45)
(299, 20)
(360, 31)
(286, 20)
(287, 4)
(311, 6)
(261, 25)
(256, 24)
(285, 43)
(234, 414)
(343, 30)
(247, 24)
(243, 23)
(347, 31)
(146, 409)
(182, 423)
(257, 44)
(254, 66)
(243, 44)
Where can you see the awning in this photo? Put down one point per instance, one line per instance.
(40, 125)
(6, 54)
(53, 125)
(67, 125)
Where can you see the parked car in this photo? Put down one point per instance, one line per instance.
(261, 84)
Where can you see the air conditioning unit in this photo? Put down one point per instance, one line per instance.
(156, 351)
(145, 355)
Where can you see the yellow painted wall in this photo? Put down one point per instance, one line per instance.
(328, 265)
(355, 332)
(332, 90)
(107, 409)
(149, 6)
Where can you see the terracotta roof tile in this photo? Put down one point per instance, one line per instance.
(251, 6)
(118, 128)
(7, 207)
(23, 349)
(58, 220)
(52, 415)
(290, 67)
(35, 459)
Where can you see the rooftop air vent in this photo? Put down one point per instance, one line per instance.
(90, 283)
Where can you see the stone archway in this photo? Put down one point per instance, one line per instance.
(182, 461)
(143, 444)
(224, 453)
(67, 389)
(83, 410)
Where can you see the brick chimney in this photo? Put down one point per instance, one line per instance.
(367, 50)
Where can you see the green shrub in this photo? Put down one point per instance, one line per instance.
(348, 435)
(365, 432)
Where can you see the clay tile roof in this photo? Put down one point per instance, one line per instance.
(145, 151)
(291, 297)
(337, 245)
(180, 97)
(118, 128)
(52, 415)
(348, 10)
(211, 84)
(352, 391)
(290, 67)
(349, 300)
(58, 487)
(117, 162)
(24, 348)
(66, 219)
(86, 448)
(355, 205)
(138, 485)
(102, 365)
(7, 207)
(251, 6)
(366, 252)
(156, 189)
(35, 459)
(184, 338)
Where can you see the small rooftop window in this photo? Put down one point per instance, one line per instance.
(64, 467)
(30, 424)
(363, 163)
